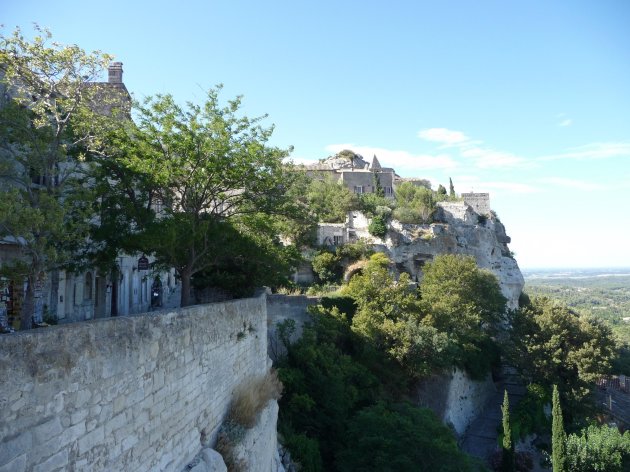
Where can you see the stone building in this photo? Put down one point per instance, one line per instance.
(70, 296)
(355, 173)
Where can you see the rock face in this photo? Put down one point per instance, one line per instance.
(458, 230)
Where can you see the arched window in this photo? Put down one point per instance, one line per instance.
(87, 290)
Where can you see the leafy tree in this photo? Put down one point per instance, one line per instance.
(45, 126)
(552, 345)
(203, 165)
(400, 437)
(506, 442)
(330, 200)
(326, 266)
(466, 303)
(389, 317)
(378, 226)
(558, 436)
(598, 448)
(441, 190)
(414, 204)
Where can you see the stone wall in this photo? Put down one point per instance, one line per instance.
(455, 398)
(128, 393)
(284, 307)
(480, 202)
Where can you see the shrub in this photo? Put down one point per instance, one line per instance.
(251, 396)
(598, 449)
(326, 266)
(378, 227)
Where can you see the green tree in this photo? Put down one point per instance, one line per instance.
(400, 437)
(466, 303)
(390, 318)
(553, 345)
(326, 266)
(330, 200)
(202, 165)
(558, 436)
(441, 190)
(414, 204)
(507, 461)
(378, 226)
(598, 448)
(45, 127)
(451, 192)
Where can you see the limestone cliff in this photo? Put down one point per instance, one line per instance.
(457, 230)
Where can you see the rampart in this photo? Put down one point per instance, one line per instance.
(129, 393)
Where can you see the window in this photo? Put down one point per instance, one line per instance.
(337, 240)
(87, 291)
(387, 190)
(358, 189)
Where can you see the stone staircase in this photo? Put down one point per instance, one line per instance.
(481, 438)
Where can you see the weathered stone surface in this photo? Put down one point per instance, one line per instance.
(460, 231)
(259, 447)
(126, 393)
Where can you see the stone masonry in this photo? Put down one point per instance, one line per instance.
(128, 393)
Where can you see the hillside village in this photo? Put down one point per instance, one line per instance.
(176, 295)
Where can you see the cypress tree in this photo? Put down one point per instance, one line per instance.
(452, 188)
(558, 436)
(508, 451)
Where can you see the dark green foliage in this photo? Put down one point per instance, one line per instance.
(345, 304)
(451, 192)
(558, 436)
(378, 226)
(337, 409)
(441, 190)
(355, 251)
(552, 345)
(327, 267)
(399, 437)
(529, 416)
(374, 204)
(466, 302)
(598, 448)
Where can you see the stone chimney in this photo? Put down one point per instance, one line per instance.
(115, 73)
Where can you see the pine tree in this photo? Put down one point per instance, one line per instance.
(558, 436)
(508, 451)
(452, 188)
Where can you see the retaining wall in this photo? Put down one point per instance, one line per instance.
(129, 393)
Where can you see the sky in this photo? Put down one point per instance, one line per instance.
(528, 100)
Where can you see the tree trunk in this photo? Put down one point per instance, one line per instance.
(185, 275)
(28, 307)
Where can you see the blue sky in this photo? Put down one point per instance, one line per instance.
(528, 100)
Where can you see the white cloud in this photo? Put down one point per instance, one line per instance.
(571, 183)
(472, 183)
(566, 122)
(592, 151)
(398, 159)
(443, 135)
(482, 157)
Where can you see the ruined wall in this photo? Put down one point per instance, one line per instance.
(127, 393)
(480, 202)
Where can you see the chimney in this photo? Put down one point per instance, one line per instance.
(115, 73)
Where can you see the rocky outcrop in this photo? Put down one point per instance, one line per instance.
(457, 230)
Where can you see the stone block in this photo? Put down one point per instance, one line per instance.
(12, 448)
(91, 439)
(55, 462)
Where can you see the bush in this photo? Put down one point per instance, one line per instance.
(251, 396)
(378, 227)
(326, 266)
(598, 448)
(345, 304)
(400, 437)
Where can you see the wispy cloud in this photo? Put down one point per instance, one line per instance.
(443, 135)
(483, 157)
(571, 183)
(398, 159)
(592, 151)
(470, 183)
(564, 120)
